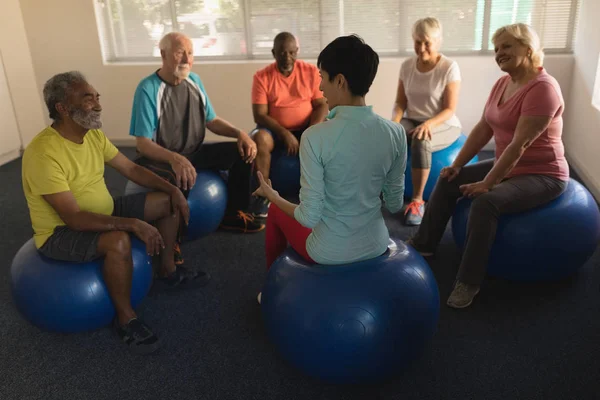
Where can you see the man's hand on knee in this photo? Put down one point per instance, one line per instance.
(246, 147)
(185, 173)
(150, 236)
(291, 143)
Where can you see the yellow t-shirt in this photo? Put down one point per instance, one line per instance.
(53, 164)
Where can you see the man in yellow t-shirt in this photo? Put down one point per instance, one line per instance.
(75, 218)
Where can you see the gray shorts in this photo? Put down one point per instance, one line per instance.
(66, 244)
(442, 136)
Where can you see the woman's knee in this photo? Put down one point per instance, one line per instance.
(446, 189)
(483, 206)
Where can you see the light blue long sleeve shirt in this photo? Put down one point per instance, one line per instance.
(346, 163)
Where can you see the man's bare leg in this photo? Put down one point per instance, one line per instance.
(158, 209)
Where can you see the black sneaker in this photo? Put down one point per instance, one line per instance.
(194, 277)
(242, 222)
(137, 336)
(184, 278)
(260, 207)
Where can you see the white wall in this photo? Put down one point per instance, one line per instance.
(21, 115)
(10, 138)
(582, 128)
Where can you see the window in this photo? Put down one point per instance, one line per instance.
(244, 29)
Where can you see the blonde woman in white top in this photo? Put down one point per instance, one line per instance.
(425, 104)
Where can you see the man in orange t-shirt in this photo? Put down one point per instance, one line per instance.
(286, 100)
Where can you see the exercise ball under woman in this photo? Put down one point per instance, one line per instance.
(355, 323)
(523, 114)
(425, 105)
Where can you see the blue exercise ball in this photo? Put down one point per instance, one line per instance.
(71, 297)
(547, 243)
(285, 172)
(354, 323)
(207, 201)
(439, 159)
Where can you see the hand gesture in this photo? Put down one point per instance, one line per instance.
(265, 189)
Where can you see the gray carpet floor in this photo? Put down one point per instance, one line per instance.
(517, 341)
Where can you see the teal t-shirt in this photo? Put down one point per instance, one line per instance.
(346, 163)
(174, 116)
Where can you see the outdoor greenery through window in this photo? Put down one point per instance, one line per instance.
(244, 29)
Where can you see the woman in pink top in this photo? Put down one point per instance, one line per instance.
(523, 114)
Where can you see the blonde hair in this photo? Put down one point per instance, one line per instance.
(429, 27)
(525, 35)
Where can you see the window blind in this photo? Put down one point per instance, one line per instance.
(130, 30)
(553, 20)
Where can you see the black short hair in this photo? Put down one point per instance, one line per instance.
(353, 58)
(281, 38)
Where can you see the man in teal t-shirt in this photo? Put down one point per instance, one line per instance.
(170, 114)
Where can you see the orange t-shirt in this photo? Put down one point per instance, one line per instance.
(289, 97)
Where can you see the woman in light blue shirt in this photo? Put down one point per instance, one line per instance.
(346, 163)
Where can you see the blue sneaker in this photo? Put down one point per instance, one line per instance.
(414, 212)
(260, 207)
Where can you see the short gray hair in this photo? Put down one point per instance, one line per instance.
(166, 42)
(429, 27)
(58, 88)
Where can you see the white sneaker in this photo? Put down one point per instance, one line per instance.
(259, 297)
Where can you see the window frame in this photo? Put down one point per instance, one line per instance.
(104, 22)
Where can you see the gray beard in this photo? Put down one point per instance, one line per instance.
(89, 120)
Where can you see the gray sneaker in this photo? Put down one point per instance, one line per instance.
(463, 294)
(414, 213)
